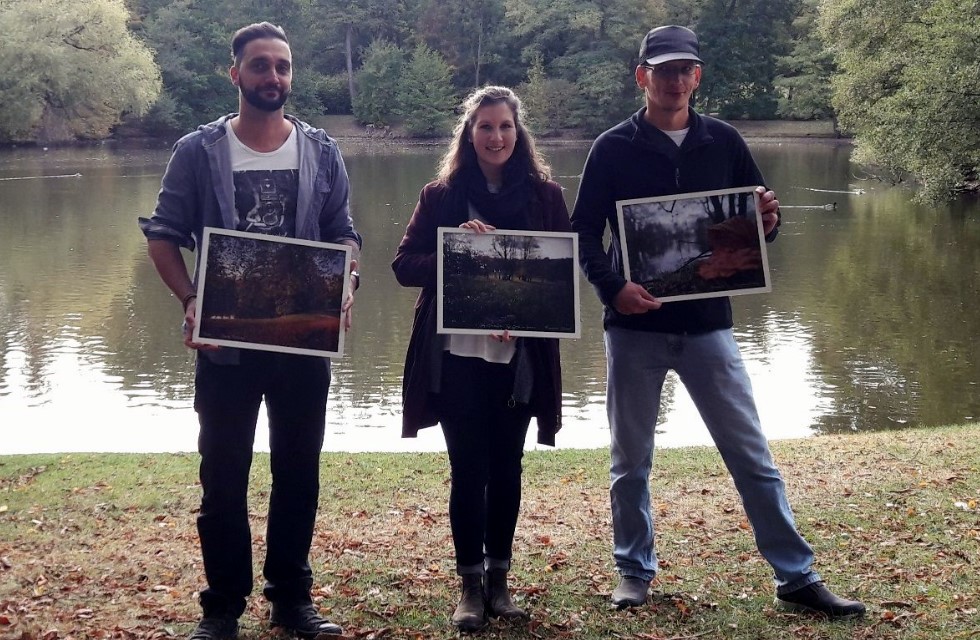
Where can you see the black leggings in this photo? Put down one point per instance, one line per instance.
(485, 433)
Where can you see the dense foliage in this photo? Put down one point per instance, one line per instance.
(803, 80)
(909, 86)
(70, 69)
(900, 75)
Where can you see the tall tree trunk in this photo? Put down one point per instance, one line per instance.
(350, 62)
(479, 52)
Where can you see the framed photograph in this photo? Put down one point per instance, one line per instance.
(695, 245)
(258, 291)
(525, 282)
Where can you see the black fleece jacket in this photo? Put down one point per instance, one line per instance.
(634, 159)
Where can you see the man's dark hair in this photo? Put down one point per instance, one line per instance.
(251, 32)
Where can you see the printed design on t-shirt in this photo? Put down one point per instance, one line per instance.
(265, 201)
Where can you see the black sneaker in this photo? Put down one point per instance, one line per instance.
(817, 598)
(303, 620)
(215, 628)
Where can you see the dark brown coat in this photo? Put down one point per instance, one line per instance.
(415, 266)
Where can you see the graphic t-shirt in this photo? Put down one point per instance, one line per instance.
(265, 186)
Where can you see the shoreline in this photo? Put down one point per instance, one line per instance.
(774, 442)
(344, 129)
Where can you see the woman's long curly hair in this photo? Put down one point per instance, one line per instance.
(461, 153)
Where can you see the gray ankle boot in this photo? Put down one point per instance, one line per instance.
(470, 614)
(499, 604)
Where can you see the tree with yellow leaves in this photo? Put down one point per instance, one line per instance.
(70, 69)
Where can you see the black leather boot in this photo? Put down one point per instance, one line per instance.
(499, 604)
(303, 620)
(471, 614)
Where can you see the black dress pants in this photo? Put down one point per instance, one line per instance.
(485, 431)
(227, 400)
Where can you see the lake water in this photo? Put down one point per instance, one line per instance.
(871, 324)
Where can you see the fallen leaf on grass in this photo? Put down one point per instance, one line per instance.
(556, 561)
(650, 636)
(896, 619)
(681, 606)
(897, 604)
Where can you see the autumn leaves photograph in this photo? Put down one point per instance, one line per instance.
(696, 245)
(271, 293)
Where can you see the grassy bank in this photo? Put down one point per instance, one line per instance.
(104, 546)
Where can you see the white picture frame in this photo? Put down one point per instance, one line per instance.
(697, 245)
(265, 292)
(525, 282)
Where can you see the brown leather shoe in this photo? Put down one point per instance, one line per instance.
(630, 592)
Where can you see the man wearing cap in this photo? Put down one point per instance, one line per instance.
(667, 148)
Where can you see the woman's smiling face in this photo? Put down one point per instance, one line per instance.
(493, 135)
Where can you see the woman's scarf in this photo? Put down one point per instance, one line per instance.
(510, 207)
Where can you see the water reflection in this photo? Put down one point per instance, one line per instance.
(871, 323)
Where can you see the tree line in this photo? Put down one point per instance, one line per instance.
(261, 279)
(902, 77)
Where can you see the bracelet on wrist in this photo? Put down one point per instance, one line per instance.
(186, 299)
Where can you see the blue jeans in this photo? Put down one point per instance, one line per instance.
(711, 369)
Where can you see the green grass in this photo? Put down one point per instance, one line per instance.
(508, 304)
(105, 546)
